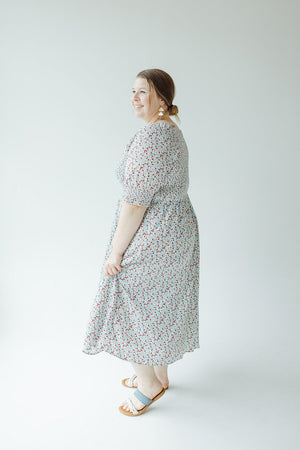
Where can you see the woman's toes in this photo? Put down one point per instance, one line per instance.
(127, 380)
(124, 405)
(134, 382)
(127, 406)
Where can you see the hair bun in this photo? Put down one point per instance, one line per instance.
(173, 110)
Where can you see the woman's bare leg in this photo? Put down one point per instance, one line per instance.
(147, 382)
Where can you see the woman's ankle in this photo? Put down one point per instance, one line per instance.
(153, 383)
(162, 376)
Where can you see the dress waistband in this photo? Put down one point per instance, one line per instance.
(185, 199)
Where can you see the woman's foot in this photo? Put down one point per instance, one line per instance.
(132, 381)
(150, 389)
(164, 381)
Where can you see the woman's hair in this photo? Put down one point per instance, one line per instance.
(164, 86)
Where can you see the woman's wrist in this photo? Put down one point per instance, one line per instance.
(117, 251)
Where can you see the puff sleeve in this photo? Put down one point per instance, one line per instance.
(146, 166)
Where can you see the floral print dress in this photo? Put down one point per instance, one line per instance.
(148, 313)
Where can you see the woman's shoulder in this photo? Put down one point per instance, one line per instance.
(149, 138)
(158, 136)
(163, 124)
(159, 130)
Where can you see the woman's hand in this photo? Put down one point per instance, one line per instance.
(113, 263)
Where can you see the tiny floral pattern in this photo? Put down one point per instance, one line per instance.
(148, 313)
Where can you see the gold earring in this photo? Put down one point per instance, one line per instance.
(161, 112)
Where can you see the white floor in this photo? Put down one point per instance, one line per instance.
(60, 398)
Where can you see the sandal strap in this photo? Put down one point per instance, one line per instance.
(131, 379)
(142, 397)
(132, 407)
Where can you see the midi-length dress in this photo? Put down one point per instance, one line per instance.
(148, 313)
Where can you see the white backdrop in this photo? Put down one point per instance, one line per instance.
(67, 72)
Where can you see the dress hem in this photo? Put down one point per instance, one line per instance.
(156, 363)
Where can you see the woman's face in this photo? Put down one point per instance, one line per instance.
(145, 101)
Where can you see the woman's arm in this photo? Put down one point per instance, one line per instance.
(129, 221)
(145, 173)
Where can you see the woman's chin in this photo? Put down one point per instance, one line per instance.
(139, 114)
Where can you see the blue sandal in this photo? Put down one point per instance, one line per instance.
(144, 399)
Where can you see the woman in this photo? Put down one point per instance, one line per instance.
(146, 307)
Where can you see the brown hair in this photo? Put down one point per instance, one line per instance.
(164, 86)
